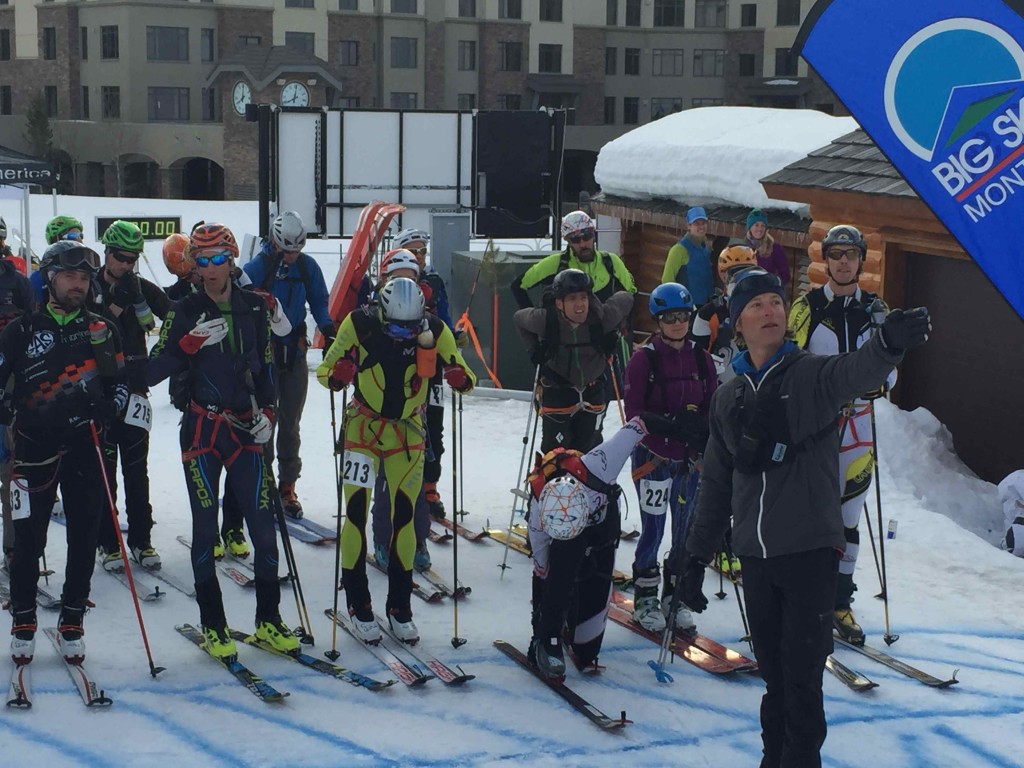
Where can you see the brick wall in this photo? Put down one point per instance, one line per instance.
(492, 80)
(742, 42)
(588, 69)
(433, 61)
(233, 23)
(360, 81)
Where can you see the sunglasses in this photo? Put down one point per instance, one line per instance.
(418, 251)
(579, 237)
(670, 318)
(71, 236)
(125, 257)
(216, 260)
(837, 253)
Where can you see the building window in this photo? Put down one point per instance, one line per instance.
(403, 6)
(300, 41)
(667, 61)
(788, 14)
(249, 41)
(631, 62)
(748, 65)
(50, 98)
(110, 101)
(167, 43)
(85, 102)
(549, 58)
(510, 9)
(298, 3)
(611, 14)
(348, 5)
(467, 101)
(83, 44)
(467, 55)
(710, 13)
(748, 15)
(611, 64)
(467, 9)
(348, 53)
(50, 43)
(665, 106)
(510, 57)
(633, 15)
(509, 101)
(206, 43)
(5, 45)
(347, 102)
(550, 10)
(785, 63)
(631, 110)
(5, 100)
(708, 63)
(668, 13)
(706, 102)
(209, 99)
(402, 100)
(609, 110)
(168, 104)
(403, 53)
(109, 43)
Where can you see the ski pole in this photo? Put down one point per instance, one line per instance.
(517, 493)
(889, 637)
(456, 498)
(154, 670)
(339, 490)
(874, 550)
(739, 598)
(614, 365)
(462, 474)
(305, 635)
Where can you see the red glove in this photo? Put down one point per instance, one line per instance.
(428, 292)
(267, 297)
(456, 378)
(343, 374)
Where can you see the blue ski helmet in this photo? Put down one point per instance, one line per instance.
(669, 297)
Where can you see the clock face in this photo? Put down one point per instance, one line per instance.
(241, 96)
(294, 95)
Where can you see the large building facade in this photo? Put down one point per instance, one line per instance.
(147, 97)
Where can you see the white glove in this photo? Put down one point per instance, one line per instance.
(261, 428)
(205, 333)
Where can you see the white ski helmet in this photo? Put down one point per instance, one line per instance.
(397, 259)
(577, 221)
(564, 509)
(3, 228)
(288, 232)
(410, 235)
(401, 301)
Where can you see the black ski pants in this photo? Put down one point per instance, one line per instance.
(434, 423)
(42, 461)
(789, 604)
(133, 444)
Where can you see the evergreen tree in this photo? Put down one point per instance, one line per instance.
(38, 132)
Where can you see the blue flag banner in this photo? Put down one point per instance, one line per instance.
(939, 87)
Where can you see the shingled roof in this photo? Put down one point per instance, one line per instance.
(262, 65)
(851, 163)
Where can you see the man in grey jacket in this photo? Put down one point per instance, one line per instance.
(571, 338)
(771, 464)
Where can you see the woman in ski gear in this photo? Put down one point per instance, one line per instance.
(689, 261)
(771, 256)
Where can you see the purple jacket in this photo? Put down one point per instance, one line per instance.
(775, 262)
(676, 385)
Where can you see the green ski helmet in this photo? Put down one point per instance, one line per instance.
(59, 226)
(123, 236)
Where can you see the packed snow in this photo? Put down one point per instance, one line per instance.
(955, 600)
(714, 155)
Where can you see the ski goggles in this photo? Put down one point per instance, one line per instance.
(125, 257)
(835, 254)
(579, 237)
(418, 251)
(216, 259)
(756, 277)
(402, 331)
(681, 316)
(72, 236)
(81, 258)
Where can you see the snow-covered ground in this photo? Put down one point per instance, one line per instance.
(956, 601)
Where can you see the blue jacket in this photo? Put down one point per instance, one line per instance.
(302, 283)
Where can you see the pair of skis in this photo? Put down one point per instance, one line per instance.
(308, 531)
(20, 692)
(435, 589)
(856, 681)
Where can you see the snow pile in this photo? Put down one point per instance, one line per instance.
(714, 154)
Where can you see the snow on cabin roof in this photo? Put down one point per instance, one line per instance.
(714, 155)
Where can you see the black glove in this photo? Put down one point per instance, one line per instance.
(128, 292)
(539, 355)
(692, 429)
(104, 411)
(328, 332)
(690, 583)
(906, 329)
(660, 426)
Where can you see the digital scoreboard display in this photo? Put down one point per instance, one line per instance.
(152, 227)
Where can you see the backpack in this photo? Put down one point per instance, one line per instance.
(653, 374)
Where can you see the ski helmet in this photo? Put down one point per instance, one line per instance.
(3, 228)
(287, 232)
(571, 281)
(576, 222)
(564, 508)
(59, 226)
(397, 259)
(401, 301)
(670, 297)
(844, 234)
(212, 236)
(124, 236)
(176, 256)
(410, 235)
(735, 256)
(68, 255)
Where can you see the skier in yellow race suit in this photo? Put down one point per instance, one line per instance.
(390, 351)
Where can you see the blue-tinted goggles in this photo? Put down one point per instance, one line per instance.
(402, 331)
(217, 259)
(72, 236)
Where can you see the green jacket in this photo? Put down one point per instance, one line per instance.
(605, 282)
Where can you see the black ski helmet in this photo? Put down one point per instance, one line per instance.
(571, 281)
(844, 234)
(67, 255)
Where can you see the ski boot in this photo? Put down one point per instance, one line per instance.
(365, 627)
(421, 561)
(433, 499)
(290, 501)
(234, 540)
(112, 561)
(218, 550)
(646, 607)
(23, 636)
(218, 643)
(728, 566)
(380, 554)
(846, 626)
(683, 619)
(277, 635)
(147, 557)
(548, 657)
(71, 634)
(403, 626)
